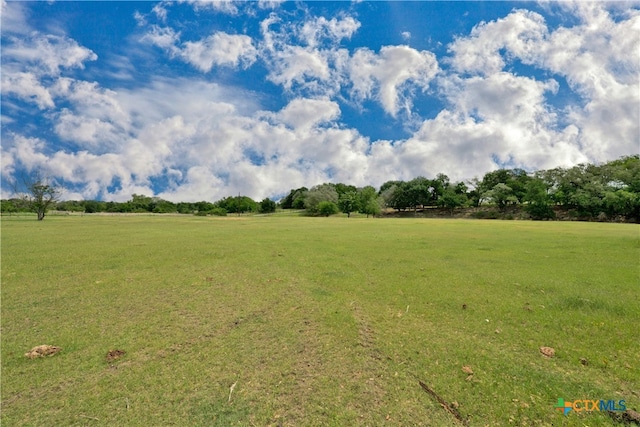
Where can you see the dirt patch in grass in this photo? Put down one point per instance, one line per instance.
(42, 351)
(114, 355)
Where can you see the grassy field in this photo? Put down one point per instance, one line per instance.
(316, 321)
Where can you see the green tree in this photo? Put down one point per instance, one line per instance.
(502, 195)
(39, 195)
(92, 206)
(452, 197)
(8, 206)
(185, 208)
(419, 192)
(348, 202)
(373, 207)
(317, 194)
(397, 196)
(141, 203)
(539, 201)
(163, 206)
(326, 208)
(295, 199)
(238, 204)
(204, 207)
(267, 206)
(344, 188)
(369, 202)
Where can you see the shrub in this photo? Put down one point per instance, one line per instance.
(327, 208)
(218, 212)
(540, 211)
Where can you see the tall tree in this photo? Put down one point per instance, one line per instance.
(317, 194)
(502, 195)
(369, 202)
(348, 202)
(453, 197)
(539, 200)
(267, 206)
(39, 194)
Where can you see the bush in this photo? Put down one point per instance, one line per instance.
(218, 212)
(327, 208)
(267, 206)
(540, 211)
(491, 214)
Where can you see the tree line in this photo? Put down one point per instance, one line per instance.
(609, 191)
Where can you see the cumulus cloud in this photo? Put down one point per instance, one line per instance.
(46, 54)
(519, 33)
(314, 63)
(592, 55)
(219, 49)
(383, 76)
(208, 140)
(224, 6)
(306, 113)
(27, 87)
(163, 37)
(27, 60)
(315, 30)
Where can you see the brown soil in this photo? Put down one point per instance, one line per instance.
(42, 351)
(115, 354)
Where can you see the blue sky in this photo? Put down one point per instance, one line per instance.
(199, 100)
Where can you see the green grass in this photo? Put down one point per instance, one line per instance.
(318, 321)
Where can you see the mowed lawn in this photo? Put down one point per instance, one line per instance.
(299, 321)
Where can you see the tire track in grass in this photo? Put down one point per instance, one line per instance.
(378, 362)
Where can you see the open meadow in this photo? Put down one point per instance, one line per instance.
(298, 321)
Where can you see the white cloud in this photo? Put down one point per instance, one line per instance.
(592, 55)
(520, 32)
(270, 4)
(298, 65)
(13, 18)
(26, 151)
(163, 37)
(219, 49)
(406, 35)
(224, 6)
(160, 10)
(31, 62)
(210, 141)
(384, 76)
(314, 31)
(307, 113)
(47, 54)
(317, 68)
(27, 87)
